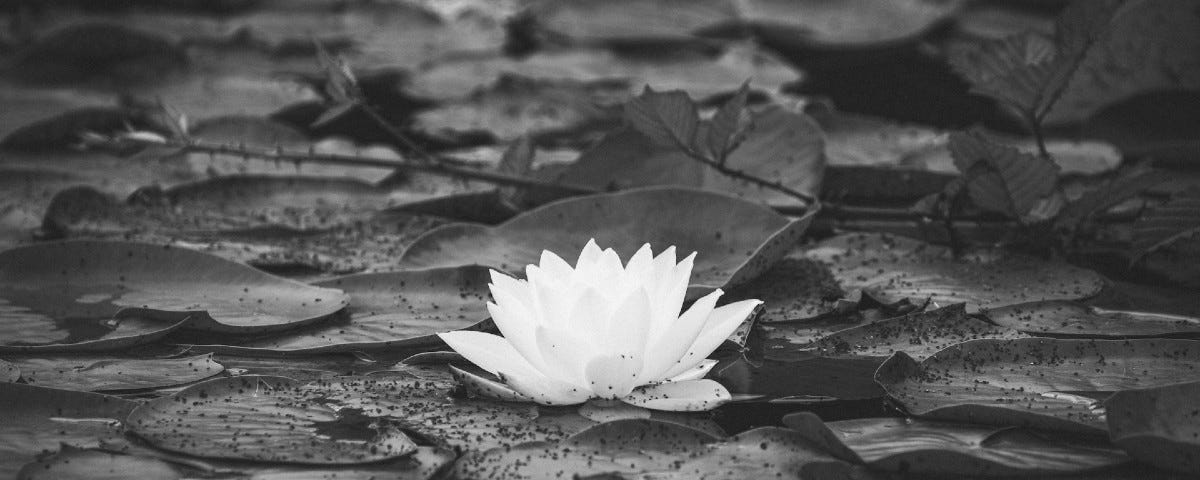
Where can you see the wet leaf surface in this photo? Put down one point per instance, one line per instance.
(98, 374)
(896, 268)
(919, 335)
(253, 418)
(1158, 425)
(37, 420)
(845, 23)
(1070, 319)
(387, 311)
(67, 292)
(735, 240)
(765, 452)
(1036, 382)
(925, 447)
(76, 463)
(792, 289)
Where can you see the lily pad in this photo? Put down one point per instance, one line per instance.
(924, 447)
(621, 446)
(767, 452)
(629, 21)
(65, 292)
(1071, 319)
(38, 420)
(78, 463)
(894, 268)
(919, 335)
(98, 374)
(736, 240)
(1035, 382)
(845, 23)
(387, 310)
(1158, 425)
(792, 289)
(256, 418)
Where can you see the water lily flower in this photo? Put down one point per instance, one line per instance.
(602, 330)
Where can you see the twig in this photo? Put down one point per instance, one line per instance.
(437, 168)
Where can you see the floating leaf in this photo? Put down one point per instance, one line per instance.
(895, 268)
(1176, 220)
(919, 335)
(792, 289)
(67, 292)
(766, 452)
(38, 420)
(923, 447)
(1035, 382)
(99, 374)
(999, 178)
(1070, 319)
(387, 310)
(256, 418)
(1158, 425)
(620, 446)
(77, 463)
(629, 21)
(844, 23)
(736, 240)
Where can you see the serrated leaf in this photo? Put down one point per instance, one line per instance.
(668, 118)
(1127, 185)
(726, 129)
(1000, 178)
(1012, 70)
(1177, 219)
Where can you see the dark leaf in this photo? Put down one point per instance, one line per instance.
(667, 118)
(727, 127)
(1000, 178)
(1167, 224)
(1158, 425)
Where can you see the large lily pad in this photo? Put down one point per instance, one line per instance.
(66, 292)
(845, 23)
(1037, 382)
(924, 447)
(1071, 319)
(256, 418)
(1158, 425)
(387, 310)
(72, 463)
(792, 289)
(38, 420)
(736, 240)
(97, 374)
(919, 335)
(894, 268)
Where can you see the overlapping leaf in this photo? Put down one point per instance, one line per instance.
(1037, 382)
(735, 240)
(38, 420)
(932, 448)
(999, 178)
(918, 335)
(1070, 319)
(896, 268)
(98, 374)
(59, 294)
(387, 310)
(1158, 425)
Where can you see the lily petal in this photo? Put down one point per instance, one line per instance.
(518, 331)
(571, 353)
(641, 263)
(666, 349)
(590, 313)
(588, 257)
(517, 290)
(545, 390)
(695, 373)
(720, 325)
(612, 376)
(489, 352)
(552, 304)
(555, 265)
(670, 293)
(485, 387)
(628, 325)
(689, 396)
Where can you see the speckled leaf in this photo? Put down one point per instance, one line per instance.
(38, 420)
(1158, 425)
(896, 268)
(925, 447)
(1071, 319)
(766, 452)
(260, 418)
(792, 289)
(736, 240)
(72, 463)
(621, 446)
(97, 374)
(1037, 382)
(65, 292)
(917, 334)
(387, 310)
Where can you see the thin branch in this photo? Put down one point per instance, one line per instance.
(438, 168)
(740, 175)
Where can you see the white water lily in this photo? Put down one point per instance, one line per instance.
(601, 330)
